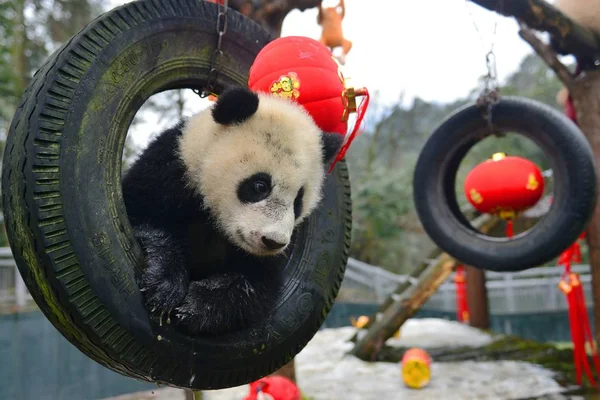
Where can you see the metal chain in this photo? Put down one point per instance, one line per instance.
(209, 89)
(490, 94)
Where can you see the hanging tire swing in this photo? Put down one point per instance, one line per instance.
(574, 196)
(66, 220)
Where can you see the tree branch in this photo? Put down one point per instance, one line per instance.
(568, 36)
(547, 55)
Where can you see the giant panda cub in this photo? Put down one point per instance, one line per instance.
(214, 202)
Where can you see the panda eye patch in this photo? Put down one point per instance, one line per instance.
(255, 188)
(298, 202)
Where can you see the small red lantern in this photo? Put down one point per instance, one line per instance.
(303, 70)
(462, 305)
(274, 387)
(504, 186)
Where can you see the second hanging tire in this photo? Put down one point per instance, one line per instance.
(574, 197)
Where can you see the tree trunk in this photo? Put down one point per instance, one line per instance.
(477, 298)
(586, 98)
(271, 13)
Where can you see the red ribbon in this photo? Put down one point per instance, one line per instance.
(360, 115)
(569, 106)
(581, 332)
(509, 228)
(462, 306)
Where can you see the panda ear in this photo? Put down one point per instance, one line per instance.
(234, 106)
(331, 144)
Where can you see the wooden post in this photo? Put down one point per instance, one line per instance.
(477, 298)
(287, 371)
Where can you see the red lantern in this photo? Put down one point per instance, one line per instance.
(504, 186)
(303, 70)
(274, 387)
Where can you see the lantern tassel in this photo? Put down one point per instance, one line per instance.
(509, 228)
(462, 306)
(360, 115)
(581, 332)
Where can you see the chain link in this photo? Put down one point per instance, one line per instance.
(209, 89)
(490, 94)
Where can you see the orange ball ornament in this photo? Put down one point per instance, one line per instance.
(416, 368)
(504, 185)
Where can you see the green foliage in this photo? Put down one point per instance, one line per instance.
(29, 31)
(386, 229)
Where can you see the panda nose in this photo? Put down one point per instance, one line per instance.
(271, 244)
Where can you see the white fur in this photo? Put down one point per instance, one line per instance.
(584, 12)
(219, 157)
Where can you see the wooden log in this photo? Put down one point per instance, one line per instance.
(471, 214)
(367, 347)
(543, 16)
(407, 303)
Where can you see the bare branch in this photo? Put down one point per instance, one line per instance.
(568, 36)
(547, 55)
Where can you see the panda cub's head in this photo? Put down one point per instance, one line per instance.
(259, 162)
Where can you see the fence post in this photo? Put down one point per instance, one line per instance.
(509, 293)
(20, 289)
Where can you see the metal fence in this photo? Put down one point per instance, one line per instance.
(533, 290)
(12, 287)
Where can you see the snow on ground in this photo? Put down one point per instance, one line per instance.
(436, 332)
(325, 372)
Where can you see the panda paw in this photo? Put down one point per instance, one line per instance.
(165, 280)
(161, 294)
(222, 303)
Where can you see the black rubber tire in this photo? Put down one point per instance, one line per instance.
(574, 197)
(66, 220)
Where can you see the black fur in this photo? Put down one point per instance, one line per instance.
(255, 188)
(331, 142)
(298, 203)
(234, 106)
(210, 286)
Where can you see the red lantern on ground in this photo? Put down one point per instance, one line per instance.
(273, 387)
(504, 186)
(303, 70)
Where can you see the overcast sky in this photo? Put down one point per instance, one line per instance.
(425, 48)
